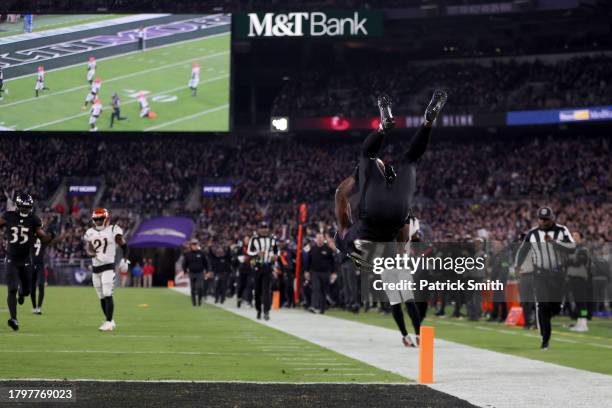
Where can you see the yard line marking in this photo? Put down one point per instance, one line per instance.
(321, 369)
(340, 374)
(172, 122)
(133, 74)
(324, 364)
(187, 353)
(126, 103)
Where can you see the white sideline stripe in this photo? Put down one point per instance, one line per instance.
(304, 384)
(172, 122)
(86, 113)
(119, 78)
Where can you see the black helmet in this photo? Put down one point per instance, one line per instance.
(24, 203)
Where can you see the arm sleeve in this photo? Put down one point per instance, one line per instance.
(418, 144)
(522, 252)
(567, 244)
(372, 144)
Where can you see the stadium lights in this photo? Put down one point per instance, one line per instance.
(279, 124)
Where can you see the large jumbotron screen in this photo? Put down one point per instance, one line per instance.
(164, 72)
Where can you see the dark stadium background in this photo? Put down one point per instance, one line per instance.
(484, 175)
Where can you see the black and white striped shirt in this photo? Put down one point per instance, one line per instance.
(267, 245)
(549, 256)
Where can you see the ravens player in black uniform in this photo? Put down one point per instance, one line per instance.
(22, 227)
(386, 195)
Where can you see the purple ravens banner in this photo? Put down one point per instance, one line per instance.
(162, 232)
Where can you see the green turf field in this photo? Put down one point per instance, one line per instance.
(588, 351)
(49, 22)
(163, 72)
(168, 339)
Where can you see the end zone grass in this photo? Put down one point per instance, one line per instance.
(167, 339)
(587, 351)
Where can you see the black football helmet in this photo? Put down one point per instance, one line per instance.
(24, 204)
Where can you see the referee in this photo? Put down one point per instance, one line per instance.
(550, 244)
(263, 249)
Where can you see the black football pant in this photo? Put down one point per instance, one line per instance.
(320, 289)
(549, 292)
(38, 282)
(115, 115)
(579, 288)
(18, 277)
(197, 288)
(220, 287)
(244, 287)
(263, 289)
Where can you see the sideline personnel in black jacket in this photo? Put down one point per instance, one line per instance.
(195, 262)
(320, 265)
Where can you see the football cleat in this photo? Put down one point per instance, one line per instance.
(13, 324)
(258, 315)
(387, 122)
(438, 100)
(103, 326)
(410, 340)
(544, 345)
(266, 316)
(20, 298)
(113, 325)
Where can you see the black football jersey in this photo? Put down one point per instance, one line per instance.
(20, 234)
(38, 251)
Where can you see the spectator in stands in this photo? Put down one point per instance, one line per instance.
(148, 271)
(137, 275)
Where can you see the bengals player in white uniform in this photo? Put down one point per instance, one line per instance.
(195, 78)
(93, 92)
(101, 243)
(91, 69)
(96, 110)
(40, 81)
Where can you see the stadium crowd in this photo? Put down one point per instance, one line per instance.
(498, 86)
(466, 188)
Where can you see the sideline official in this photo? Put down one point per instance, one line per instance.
(263, 249)
(550, 244)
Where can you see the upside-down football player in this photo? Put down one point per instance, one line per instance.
(101, 244)
(386, 195)
(23, 227)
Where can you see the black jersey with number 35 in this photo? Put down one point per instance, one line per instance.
(20, 234)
